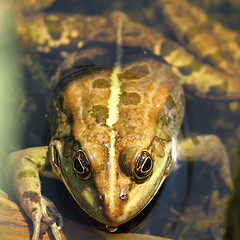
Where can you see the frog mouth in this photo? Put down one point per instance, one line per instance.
(132, 224)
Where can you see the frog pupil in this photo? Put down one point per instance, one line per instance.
(77, 165)
(143, 168)
(147, 165)
(81, 165)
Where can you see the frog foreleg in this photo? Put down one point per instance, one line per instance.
(209, 149)
(23, 169)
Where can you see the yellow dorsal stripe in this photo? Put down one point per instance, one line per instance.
(114, 115)
(115, 83)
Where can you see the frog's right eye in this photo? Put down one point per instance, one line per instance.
(81, 165)
(137, 163)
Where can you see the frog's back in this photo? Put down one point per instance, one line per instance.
(120, 82)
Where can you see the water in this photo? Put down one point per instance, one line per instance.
(191, 202)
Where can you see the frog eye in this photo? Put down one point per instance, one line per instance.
(144, 166)
(81, 165)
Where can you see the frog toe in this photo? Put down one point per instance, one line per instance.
(44, 216)
(52, 213)
(37, 228)
(54, 227)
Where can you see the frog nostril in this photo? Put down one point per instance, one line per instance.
(101, 197)
(123, 196)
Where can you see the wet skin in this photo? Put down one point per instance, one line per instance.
(117, 107)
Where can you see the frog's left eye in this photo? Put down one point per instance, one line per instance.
(81, 165)
(144, 166)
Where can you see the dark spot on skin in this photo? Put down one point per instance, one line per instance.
(34, 210)
(135, 72)
(185, 70)
(76, 146)
(165, 119)
(219, 90)
(100, 113)
(32, 195)
(101, 83)
(132, 34)
(214, 59)
(55, 29)
(128, 75)
(130, 98)
(169, 103)
(69, 144)
(40, 164)
(27, 173)
(169, 115)
(167, 47)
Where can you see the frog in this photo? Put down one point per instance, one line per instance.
(118, 106)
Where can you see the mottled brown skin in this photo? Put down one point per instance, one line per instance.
(149, 81)
(99, 147)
